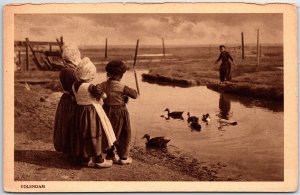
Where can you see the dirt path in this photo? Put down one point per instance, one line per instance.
(36, 159)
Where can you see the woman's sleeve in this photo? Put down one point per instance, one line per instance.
(130, 92)
(96, 90)
(220, 56)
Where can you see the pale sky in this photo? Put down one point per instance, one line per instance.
(125, 29)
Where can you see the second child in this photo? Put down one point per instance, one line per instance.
(91, 129)
(115, 108)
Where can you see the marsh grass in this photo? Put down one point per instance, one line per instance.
(248, 79)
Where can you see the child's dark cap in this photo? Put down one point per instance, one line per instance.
(116, 67)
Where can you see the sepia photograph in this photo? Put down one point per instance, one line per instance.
(169, 96)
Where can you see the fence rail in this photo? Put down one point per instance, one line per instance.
(44, 60)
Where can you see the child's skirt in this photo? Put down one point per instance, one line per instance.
(225, 71)
(87, 138)
(64, 111)
(91, 131)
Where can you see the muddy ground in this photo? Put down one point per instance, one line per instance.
(36, 158)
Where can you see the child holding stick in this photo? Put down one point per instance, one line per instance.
(115, 108)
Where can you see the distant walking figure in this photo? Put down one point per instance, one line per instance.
(225, 67)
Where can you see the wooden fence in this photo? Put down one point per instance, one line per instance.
(44, 60)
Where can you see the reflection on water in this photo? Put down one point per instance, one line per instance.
(224, 106)
(224, 111)
(168, 117)
(274, 106)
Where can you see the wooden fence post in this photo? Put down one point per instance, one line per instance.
(59, 45)
(260, 51)
(243, 54)
(27, 55)
(19, 61)
(163, 44)
(105, 54)
(61, 40)
(33, 52)
(257, 47)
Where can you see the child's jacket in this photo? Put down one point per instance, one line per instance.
(115, 93)
(225, 56)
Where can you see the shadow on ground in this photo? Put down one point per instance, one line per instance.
(49, 159)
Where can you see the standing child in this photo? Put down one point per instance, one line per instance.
(115, 108)
(90, 124)
(67, 103)
(225, 67)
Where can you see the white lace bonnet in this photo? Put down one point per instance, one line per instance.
(86, 69)
(71, 53)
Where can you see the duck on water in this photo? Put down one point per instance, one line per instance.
(156, 142)
(192, 118)
(206, 118)
(195, 126)
(175, 114)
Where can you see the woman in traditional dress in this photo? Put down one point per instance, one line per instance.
(61, 137)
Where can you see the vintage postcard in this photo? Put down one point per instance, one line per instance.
(150, 97)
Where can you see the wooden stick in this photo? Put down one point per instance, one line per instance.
(134, 63)
(136, 51)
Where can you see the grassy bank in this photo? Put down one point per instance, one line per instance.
(264, 81)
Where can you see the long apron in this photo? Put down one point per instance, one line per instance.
(83, 97)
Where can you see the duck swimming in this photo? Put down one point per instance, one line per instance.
(175, 115)
(205, 118)
(195, 126)
(156, 142)
(192, 118)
